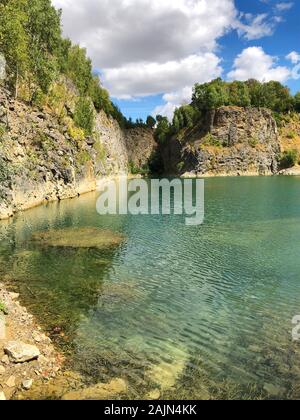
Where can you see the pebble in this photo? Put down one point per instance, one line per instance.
(5, 360)
(11, 382)
(2, 396)
(27, 384)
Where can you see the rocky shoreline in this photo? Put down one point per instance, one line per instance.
(27, 355)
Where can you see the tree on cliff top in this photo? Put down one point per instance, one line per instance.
(272, 95)
(36, 54)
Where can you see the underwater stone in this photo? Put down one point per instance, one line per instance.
(78, 238)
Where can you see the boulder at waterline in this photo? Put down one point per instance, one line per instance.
(78, 238)
(19, 352)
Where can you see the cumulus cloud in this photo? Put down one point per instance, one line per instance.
(153, 78)
(172, 101)
(118, 32)
(294, 57)
(148, 47)
(254, 63)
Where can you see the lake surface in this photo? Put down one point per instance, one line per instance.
(195, 312)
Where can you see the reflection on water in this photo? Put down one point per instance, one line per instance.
(194, 312)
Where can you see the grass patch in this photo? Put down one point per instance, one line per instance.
(210, 140)
(3, 309)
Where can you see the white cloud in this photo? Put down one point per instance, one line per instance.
(254, 27)
(155, 78)
(147, 47)
(174, 100)
(118, 32)
(294, 57)
(254, 63)
(284, 6)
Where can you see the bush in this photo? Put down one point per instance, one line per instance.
(84, 115)
(3, 308)
(291, 135)
(210, 140)
(289, 159)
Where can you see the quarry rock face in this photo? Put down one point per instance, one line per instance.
(226, 141)
(40, 161)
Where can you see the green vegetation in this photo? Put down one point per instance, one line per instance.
(3, 308)
(289, 159)
(272, 95)
(37, 55)
(3, 130)
(218, 93)
(84, 115)
(210, 140)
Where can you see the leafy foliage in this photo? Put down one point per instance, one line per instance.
(289, 159)
(84, 115)
(272, 95)
(36, 54)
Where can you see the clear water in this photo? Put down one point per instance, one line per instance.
(196, 312)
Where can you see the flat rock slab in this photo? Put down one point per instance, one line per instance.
(78, 238)
(19, 352)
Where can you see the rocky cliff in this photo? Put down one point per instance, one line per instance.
(226, 141)
(42, 159)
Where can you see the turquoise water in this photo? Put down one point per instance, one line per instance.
(197, 312)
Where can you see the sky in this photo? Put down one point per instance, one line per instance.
(150, 53)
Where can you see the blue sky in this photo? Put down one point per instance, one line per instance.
(149, 53)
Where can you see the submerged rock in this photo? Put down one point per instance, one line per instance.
(98, 392)
(78, 238)
(2, 396)
(274, 390)
(167, 373)
(19, 352)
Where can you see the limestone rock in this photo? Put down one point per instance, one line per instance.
(5, 360)
(226, 141)
(2, 68)
(2, 396)
(11, 382)
(27, 384)
(19, 352)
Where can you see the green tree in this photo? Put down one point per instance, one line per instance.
(100, 97)
(79, 69)
(14, 43)
(297, 102)
(84, 115)
(43, 31)
(239, 94)
(150, 122)
(163, 129)
(211, 95)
